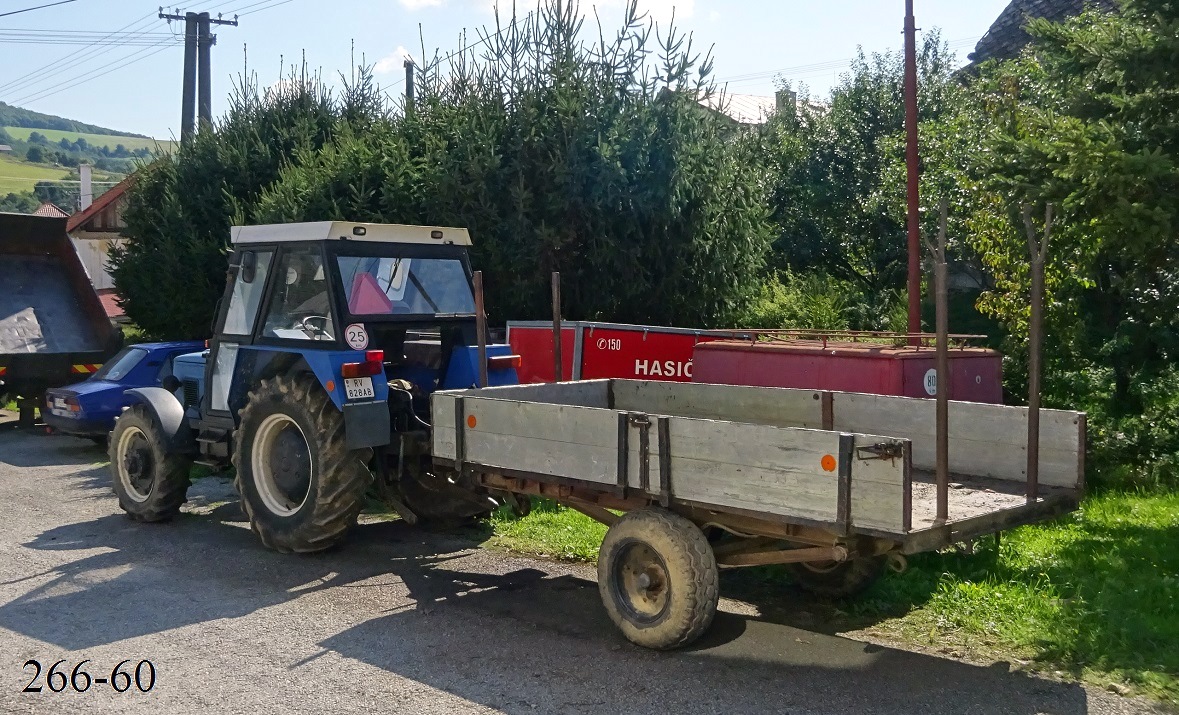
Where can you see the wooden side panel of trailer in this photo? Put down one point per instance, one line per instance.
(757, 405)
(806, 475)
(985, 440)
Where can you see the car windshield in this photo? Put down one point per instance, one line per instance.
(405, 286)
(117, 367)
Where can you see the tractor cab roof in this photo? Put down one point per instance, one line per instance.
(350, 231)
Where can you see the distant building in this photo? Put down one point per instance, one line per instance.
(747, 110)
(50, 209)
(5, 148)
(1008, 36)
(94, 231)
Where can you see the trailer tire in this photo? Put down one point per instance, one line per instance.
(839, 580)
(658, 579)
(150, 482)
(301, 487)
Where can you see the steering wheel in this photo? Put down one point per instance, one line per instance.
(308, 327)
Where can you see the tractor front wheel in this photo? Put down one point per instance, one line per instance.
(151, 482)
(301, 487)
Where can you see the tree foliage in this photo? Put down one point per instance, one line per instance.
(838, 172)
(593, 159)
(1085, 120)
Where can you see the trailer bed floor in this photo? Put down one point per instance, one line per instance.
(971, 497)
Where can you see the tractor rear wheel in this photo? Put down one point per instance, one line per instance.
(301, 487)
(151, 483)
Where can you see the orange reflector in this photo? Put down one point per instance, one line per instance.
(829, 463)
(471, 421)
(330, 385)
(504, 362)
(85, 369)
(3, 370)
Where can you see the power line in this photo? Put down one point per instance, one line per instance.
(66, 61)
(39, 7)
(818, 67)
(93, 74)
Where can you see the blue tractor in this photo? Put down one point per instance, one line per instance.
(329, 339)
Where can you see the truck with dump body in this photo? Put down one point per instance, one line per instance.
(350, 358)
(53, 329)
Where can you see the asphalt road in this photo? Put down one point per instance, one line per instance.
(397, 621)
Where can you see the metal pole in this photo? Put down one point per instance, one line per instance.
(188, 100)
(205, 71)
(911, 161)
(1035, 331)
(408, 64)
(942, 365)
(481, 328)
(943, 394)
(1037, 249)
(558, 364)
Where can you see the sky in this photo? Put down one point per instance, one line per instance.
(134, 85)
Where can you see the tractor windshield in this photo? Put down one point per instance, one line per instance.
(405, 286)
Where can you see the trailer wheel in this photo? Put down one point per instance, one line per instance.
(301, 487)
(150, 482)
(658, 578)
(839, 579)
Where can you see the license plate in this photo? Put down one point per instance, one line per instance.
(358, 388)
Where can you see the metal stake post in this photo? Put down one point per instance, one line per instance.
(1037, 250)
(558, 363)
(938, 252)
(481, 327)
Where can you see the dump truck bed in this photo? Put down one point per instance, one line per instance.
(849, 463)
(53, 328)
(39, 311)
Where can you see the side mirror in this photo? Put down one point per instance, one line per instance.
(248, 267)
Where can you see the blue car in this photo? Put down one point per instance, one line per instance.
(89, 408)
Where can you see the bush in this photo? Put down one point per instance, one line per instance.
(816, 301)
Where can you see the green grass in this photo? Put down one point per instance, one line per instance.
(18, 176)
(550, 530)
(97, 140)
(1094, 594)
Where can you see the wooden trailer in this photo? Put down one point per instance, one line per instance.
(836, 484)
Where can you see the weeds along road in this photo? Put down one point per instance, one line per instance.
(396, 621)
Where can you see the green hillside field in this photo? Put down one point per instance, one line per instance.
(56, 135)
(18, 176)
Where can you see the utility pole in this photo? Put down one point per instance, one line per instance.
(408, 64)
(914, 176)
(198, 43)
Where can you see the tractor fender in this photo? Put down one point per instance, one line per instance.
(169, 413)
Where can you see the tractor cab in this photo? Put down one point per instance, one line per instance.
(329, 339)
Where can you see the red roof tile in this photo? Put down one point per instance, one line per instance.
(108, 299)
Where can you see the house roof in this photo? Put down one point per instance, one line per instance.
(48, 208)
(111, 196)
(1007, 35)
(741, 108)
(5, 147)
(110, 304)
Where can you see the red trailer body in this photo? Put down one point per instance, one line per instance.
(882, 369)
(591, 350)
